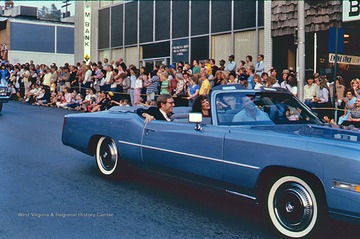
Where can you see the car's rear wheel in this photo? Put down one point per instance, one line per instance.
(293, 207)
(107, 158)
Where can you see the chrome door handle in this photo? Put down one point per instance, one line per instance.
(148, 130)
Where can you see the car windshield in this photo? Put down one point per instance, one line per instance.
(261, 108)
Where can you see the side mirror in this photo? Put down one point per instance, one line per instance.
(196, 118)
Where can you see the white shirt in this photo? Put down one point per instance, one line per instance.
(165, 115)
(285, 85)
(138, 83)
(230, 66)
(87, 76)
(108, 77)
(323, 94)
(132, 81)
(259, 68)
(294, 90)
(257, 86)
(309, 91)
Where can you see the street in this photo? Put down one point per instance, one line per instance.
(49, 190)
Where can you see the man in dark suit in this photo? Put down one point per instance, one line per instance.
(163, 111)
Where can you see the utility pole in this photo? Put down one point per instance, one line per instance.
(66, 4)
(301, 50)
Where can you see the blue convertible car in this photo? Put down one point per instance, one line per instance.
(264, 145)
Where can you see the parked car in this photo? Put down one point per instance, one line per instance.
(264, 145)
(4, 95)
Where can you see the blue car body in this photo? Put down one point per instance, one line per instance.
(4, 93)
(234, 157)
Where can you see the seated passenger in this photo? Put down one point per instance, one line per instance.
(228, 103)
(250, 112)
(202, 105)
(163, 111)
(291, 115)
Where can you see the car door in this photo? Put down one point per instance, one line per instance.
(178, 149)
(251, 149)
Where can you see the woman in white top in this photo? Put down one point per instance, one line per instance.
(258, 82)
(272, 82)
(137, 88)
(309, 91)
(293, 84)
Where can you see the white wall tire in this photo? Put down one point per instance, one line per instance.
(293, 207)
(107, 157)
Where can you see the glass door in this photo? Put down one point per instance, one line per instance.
(150, 63)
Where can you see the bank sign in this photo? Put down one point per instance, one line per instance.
(87, 30)
(351, 10)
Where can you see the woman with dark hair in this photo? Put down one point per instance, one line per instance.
(104, 103)
(196, 68)
(202, 105)
(349, 101)
(291, 79)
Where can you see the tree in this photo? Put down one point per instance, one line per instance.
(52, 14)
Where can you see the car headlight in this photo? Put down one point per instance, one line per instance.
(3, 91)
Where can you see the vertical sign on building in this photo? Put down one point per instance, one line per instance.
(87, 30)
(351, 10)
(180, 50)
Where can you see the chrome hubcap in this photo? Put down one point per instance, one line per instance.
(293, 206)
(289, 207)
(108, 154)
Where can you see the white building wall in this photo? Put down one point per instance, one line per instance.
(40, 57)
(79, 30)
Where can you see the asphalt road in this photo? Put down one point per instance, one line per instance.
(48, 190)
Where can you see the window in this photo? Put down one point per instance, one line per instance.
(146, 21)
(131, 23)
(261, 108)
(117, 26)
(104, 21)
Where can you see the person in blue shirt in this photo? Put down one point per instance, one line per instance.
(231, 65)
(193, 90)
(5, 74)
(250, 112)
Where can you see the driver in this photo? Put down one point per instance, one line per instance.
(250, 112)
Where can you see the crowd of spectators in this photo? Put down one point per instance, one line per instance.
(99, 85)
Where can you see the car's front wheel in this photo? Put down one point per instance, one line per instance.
(293, 207)
(1, 105)
(107, 158)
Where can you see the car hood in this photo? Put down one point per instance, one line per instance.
(318, 131)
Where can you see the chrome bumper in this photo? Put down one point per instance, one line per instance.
(4, 99)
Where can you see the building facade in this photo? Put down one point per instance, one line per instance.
(144, 33)
(28, 38)
(321, 20)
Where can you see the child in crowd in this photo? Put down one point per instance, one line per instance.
(60, 98)
(53, 100)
